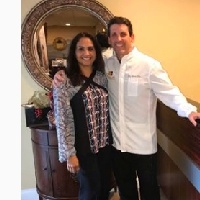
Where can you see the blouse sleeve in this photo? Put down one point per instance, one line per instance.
(64, 122)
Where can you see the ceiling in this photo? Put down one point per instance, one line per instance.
(73, 15)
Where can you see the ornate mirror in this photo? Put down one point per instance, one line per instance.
(48, 28)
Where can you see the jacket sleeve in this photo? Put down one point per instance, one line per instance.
(169, 94)
(64, 122)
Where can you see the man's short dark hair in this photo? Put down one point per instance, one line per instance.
(120, 20)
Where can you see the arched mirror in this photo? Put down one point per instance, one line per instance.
(48, 29)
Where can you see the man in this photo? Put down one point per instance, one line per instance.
(135, 81)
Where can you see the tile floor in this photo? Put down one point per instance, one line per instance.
(31, 194)
(115, 196)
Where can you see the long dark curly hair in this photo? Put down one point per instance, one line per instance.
(73, 70)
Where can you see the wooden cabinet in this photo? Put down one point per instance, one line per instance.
(53, 181)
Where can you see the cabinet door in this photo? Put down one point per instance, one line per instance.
(63, 183)
(42, 169)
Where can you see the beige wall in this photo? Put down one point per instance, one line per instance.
(67, 32)
(168, 30)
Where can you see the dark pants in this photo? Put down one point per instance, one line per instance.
(127, 167)
(95, 175)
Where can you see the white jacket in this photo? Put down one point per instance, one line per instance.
(134, 86)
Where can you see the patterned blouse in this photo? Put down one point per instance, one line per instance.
(95, 100)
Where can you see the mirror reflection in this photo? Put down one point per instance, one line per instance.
(53, 35)
(48, 29)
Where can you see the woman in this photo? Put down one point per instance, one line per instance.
(82, 118)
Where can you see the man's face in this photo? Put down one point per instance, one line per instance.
(120, 40)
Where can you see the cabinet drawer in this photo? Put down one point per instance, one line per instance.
(52, 136)
(39, 136)
(44, 136)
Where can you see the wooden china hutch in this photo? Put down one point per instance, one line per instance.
(53, 181)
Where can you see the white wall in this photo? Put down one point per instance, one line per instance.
(28, 86)
(168, 30)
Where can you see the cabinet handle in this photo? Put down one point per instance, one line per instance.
(45, 168)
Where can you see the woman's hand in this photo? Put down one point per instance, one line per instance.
(59, 78)
(73, 164)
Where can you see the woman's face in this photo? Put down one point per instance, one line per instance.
(85, 52)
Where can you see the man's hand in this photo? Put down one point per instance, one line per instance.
(193, 116)
(59, 78)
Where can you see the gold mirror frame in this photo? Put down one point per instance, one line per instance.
(34, 18)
